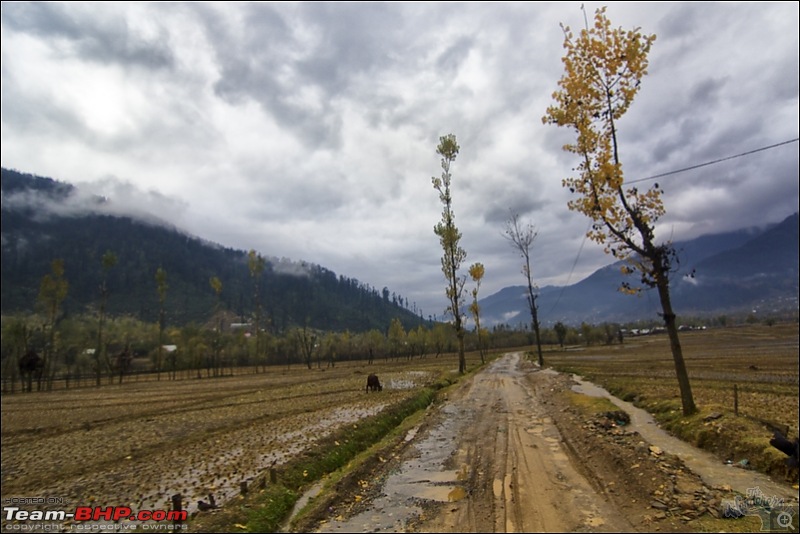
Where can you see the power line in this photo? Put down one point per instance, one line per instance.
(715, 161)
(569, 278)
(749, 152)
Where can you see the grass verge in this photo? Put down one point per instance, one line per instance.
(267, 509)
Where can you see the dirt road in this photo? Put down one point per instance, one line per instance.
(516, 472)
(506, 453)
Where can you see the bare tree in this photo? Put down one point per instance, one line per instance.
(100, 353)
(521, 237)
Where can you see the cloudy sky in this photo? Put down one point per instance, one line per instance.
(308, 130)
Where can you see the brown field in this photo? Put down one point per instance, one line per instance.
(138, 443)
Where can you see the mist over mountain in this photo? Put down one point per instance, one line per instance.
(753, 270)
(746, 271)
(44, 220)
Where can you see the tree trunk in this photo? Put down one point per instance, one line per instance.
(535, 317)
(538, 343)
(687, 400)
(462, 360)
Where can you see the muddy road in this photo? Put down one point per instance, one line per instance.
(517, 475)
(506, 453)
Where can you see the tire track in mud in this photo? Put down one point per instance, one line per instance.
(534, 486)
(489, 460)
(508, 452)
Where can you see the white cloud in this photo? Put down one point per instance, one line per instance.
(308, 130)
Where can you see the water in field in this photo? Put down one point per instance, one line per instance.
(223, 473)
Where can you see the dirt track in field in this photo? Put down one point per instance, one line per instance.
(506, 453)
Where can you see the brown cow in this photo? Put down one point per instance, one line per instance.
(373, 384)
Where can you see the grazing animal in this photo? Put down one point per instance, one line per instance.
(789, 448)
(31, 365)
(373, 384)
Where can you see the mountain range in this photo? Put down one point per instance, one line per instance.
(749, 271)
(752, 270)
(44, 220)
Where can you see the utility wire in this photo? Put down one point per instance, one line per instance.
(715, 161)
(749, 152)
(574, 264)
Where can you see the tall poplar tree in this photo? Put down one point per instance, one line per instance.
(256, 263)
(449, 237)
(216, 344)
(476, 272)
(603, 72)
(52, 292)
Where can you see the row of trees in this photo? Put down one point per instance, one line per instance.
(603, 69)
(207, 351)
(40, 339)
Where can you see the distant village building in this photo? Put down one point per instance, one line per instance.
(247, 327)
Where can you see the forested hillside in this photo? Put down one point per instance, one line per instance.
(36, 231)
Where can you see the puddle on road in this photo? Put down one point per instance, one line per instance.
(456, 494)
(497, 488)
(595, 522)
(411, 434)
(420, 479)
(707, 466)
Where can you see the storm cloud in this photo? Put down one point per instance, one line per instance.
(308, 130)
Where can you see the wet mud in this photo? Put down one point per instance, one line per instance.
(506, 453)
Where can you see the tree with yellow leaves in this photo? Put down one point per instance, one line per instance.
(603, 72)
(476, 272)
(449, 237)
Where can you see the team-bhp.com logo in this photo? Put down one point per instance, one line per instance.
(82, 514)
